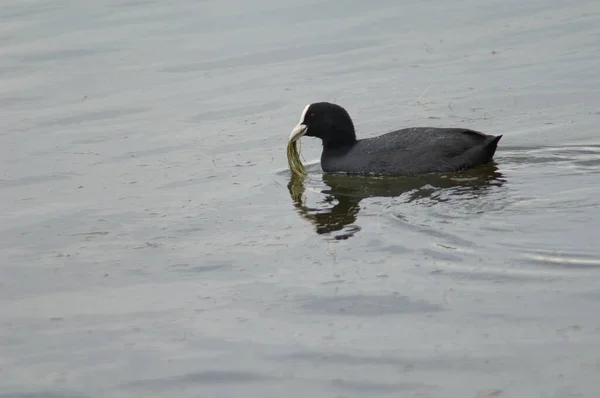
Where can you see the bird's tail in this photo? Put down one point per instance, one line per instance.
(491, 146)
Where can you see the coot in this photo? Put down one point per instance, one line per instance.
(409, 151)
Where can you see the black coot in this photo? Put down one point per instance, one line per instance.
(410, 151)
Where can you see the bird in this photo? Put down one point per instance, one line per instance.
(405, 152)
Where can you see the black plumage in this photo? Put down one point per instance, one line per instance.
(409, 151)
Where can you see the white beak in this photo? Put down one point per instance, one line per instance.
(298, 132)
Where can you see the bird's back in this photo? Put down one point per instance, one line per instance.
(412, 151)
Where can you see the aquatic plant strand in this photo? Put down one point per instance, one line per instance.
(294, 161)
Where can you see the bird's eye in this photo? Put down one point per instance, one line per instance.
(311, 116)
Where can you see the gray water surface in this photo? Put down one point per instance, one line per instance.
(152, 243)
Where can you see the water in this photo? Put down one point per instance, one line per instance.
(152, 243)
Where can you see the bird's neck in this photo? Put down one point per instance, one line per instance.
(338, 146)
(339, 141)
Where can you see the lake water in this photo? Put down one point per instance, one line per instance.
(152, 245)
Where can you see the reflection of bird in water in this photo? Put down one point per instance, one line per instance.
(326, 220)
(339, 209)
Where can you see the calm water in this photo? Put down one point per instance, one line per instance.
(153, 245)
